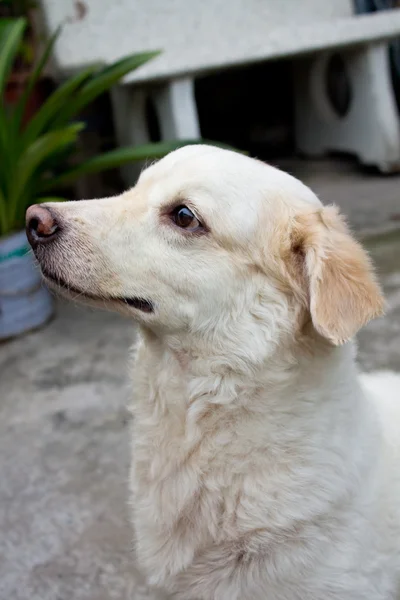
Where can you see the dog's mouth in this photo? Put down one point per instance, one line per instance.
(63, 286)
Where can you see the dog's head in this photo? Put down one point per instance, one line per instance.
(209, 236)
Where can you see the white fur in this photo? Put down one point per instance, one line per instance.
(261, 468)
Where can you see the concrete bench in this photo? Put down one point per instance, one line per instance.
(198, 38)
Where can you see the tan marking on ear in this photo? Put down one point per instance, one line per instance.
(342, 291)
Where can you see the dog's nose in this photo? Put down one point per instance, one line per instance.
(41, 225)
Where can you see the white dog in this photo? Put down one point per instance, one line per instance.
(261, 470)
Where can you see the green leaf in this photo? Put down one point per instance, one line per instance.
(33, 79)
(121, 156)
(59, 99)
(113, 159)
(31, 160)
(4, 146)
(103, 81)
(11, 32)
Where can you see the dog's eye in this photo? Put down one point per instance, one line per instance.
(183, 217)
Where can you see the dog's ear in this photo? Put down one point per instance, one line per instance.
(336, 275)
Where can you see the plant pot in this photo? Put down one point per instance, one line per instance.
(25, 303)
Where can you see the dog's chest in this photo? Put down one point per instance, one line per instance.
(175, 510)
(191, 493)
(196, 487)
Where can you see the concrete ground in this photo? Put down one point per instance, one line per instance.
(64, 427)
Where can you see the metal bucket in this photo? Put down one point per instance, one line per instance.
(25, 303)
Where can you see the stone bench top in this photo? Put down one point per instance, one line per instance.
(199, 44)
(193, 57)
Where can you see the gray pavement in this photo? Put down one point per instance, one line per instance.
(64, 427)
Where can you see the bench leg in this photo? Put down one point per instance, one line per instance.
(175, 105)
(369, 129)
(176, 110)
(129, 111)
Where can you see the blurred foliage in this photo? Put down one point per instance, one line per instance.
(36, 158)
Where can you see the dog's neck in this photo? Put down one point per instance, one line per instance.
(233, 374)
(189, 401)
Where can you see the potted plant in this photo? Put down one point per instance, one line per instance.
(36, 163)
